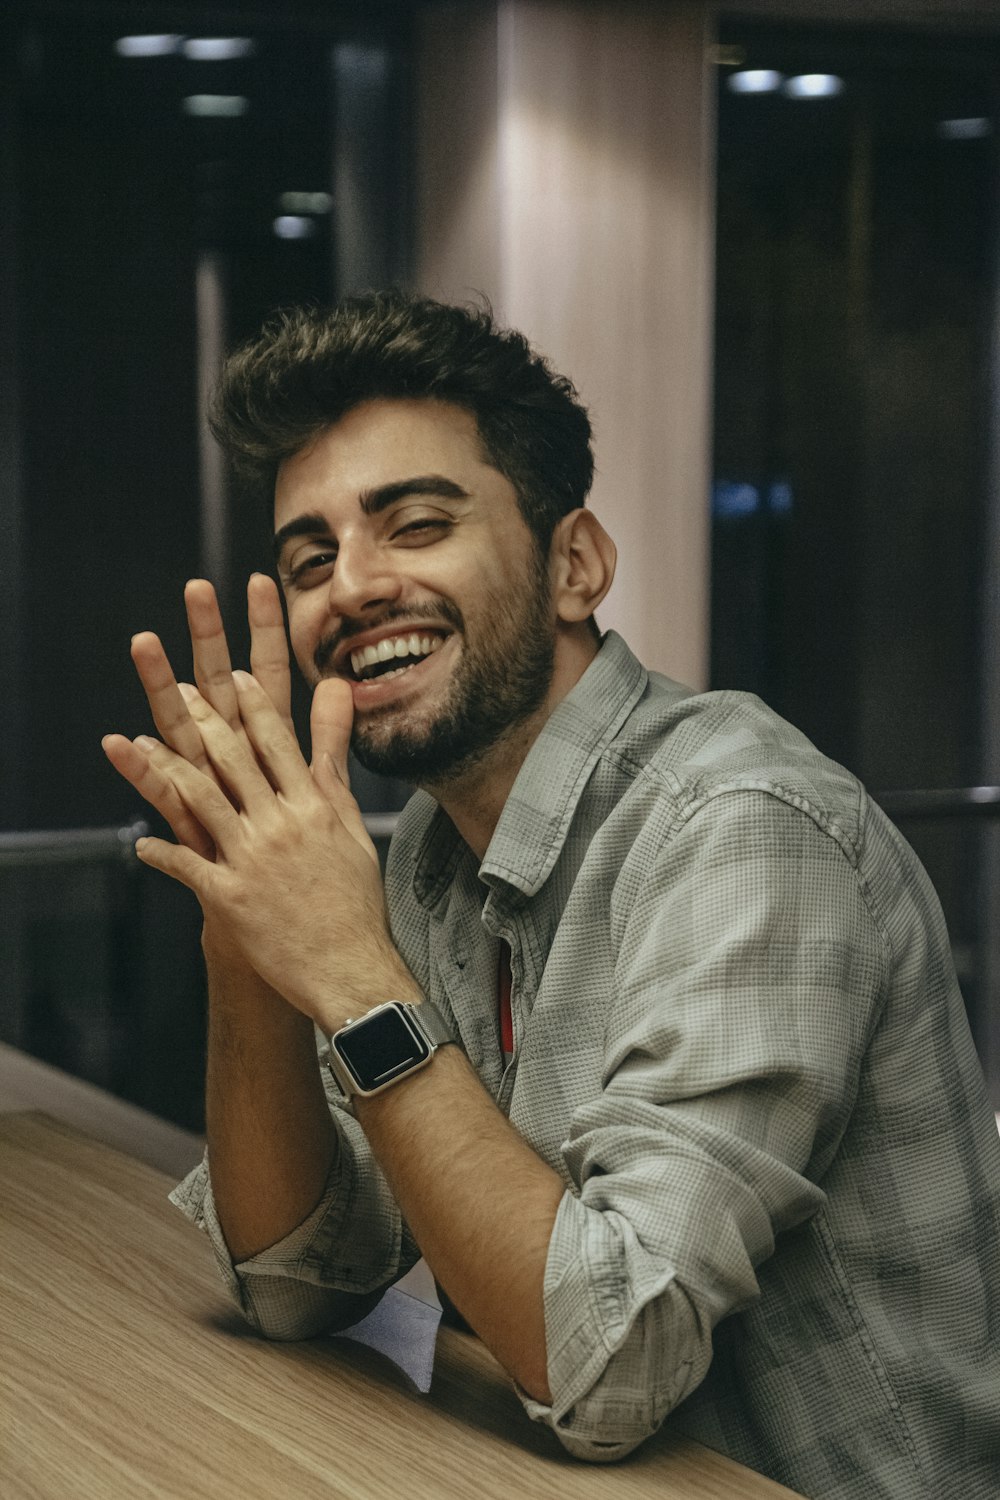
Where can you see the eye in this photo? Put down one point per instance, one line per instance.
(303, 572)
(425, 529)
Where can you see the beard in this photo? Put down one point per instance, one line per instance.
(501, 678)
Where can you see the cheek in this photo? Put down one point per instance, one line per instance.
(499, 591)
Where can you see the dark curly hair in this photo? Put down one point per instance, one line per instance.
(307, 368)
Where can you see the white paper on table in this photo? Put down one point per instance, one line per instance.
(404, 1325)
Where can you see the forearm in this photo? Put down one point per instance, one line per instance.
(271, 1141)
(479, 1201)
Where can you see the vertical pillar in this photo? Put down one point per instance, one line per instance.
(564, 167)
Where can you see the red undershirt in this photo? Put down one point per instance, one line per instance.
(503, 1002)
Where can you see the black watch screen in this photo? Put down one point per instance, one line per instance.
(380, 1046)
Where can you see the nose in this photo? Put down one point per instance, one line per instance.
(363, 579)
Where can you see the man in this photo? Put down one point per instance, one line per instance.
(712, 1141)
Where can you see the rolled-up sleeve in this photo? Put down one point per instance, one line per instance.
(333, 1267)
(747, 987)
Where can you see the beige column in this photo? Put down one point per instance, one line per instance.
(564, 168)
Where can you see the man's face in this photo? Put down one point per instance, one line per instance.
(409, 570)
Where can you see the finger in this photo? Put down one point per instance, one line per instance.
(269, 644)
(170, 714)
(272, 739)
(330, 722)
(199, 791)
(234, 758)
(130, 762)
(213, 670)
(176, 861)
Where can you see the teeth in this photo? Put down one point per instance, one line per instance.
(392, 647)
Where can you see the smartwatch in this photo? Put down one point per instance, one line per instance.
(389, 1043)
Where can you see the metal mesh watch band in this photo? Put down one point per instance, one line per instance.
(434, 1024)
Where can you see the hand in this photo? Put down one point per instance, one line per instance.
(293, 877)
(213, 675)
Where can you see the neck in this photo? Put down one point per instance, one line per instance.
(475, 797)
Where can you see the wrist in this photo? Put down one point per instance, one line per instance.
(219, 949)
(350, 996)
(235, 987)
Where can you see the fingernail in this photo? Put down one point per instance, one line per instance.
(242, 681)
(145, 742)
(186, 691)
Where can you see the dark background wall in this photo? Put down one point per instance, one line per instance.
(857, 242)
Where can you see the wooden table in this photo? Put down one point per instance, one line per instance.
(124, 1374)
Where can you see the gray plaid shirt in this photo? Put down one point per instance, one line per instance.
(740, 1042)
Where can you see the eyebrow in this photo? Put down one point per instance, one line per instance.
(372, 503)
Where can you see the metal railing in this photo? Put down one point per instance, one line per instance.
(71, 846)
(78, 846)
(944, 802)
(84, 846)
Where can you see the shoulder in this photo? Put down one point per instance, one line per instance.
(705, 749)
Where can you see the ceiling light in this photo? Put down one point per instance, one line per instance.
(814, 86)
(294, 227)
(305, 203)
(217, 48)
(216, 106)
(965, 130)
(147, 46)
(755, 81)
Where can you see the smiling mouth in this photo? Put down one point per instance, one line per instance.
(393, 656)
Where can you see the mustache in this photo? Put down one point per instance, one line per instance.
(437, 610)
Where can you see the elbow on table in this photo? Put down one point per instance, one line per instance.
(323, 1312)
(592, 1450)
(596, 1434)
(663, 1357)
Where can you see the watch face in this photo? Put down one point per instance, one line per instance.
(380, 1047)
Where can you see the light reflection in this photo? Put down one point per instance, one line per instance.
(294, 227)
(734, 497)
(305, 203)
(755, 81)
(975, 129)
(814, 86)
(217, 48)
(147, 46)
(216, 106)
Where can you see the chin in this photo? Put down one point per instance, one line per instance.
(438, 753)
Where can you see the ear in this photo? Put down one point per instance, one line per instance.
(582, 562)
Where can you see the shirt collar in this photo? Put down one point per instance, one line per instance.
(532, 828)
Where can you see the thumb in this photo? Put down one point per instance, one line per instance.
(330, 724)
